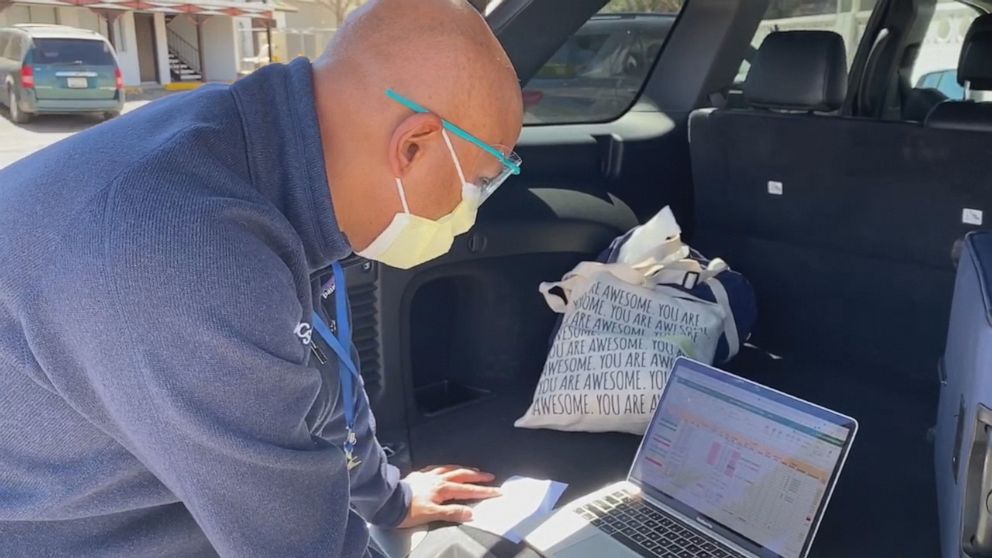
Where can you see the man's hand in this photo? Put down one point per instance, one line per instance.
(433, 486)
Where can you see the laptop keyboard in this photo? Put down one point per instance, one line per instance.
(650, 531)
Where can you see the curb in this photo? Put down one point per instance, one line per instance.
(182, 85)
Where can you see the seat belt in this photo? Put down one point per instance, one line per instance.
(903, 85)
(856, 104)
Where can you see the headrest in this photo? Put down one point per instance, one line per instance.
(798, 70)
(975, 64)
(961, 115)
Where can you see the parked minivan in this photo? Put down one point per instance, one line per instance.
(54, 69)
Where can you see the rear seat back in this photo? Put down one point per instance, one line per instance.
(845, 226)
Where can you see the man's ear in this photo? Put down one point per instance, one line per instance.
(409, 139)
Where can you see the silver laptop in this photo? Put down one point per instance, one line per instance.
(727, 468)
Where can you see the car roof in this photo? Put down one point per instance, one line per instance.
(49, 31)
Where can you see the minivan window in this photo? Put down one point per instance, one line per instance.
(72, 51)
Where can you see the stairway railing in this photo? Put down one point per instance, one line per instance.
(185, 51)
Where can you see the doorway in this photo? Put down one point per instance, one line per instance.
(144, 34)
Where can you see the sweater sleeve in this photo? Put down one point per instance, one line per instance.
(377, 493)
(207, 383)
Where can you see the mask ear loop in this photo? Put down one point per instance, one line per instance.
(399, 188)
(458, 164)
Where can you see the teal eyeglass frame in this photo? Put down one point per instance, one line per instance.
(416, 107)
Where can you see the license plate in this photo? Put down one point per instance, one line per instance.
(77, 83)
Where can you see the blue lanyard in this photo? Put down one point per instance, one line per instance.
(341, 345)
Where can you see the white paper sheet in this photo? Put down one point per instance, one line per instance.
(522, 506)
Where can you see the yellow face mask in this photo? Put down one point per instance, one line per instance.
(411, 240)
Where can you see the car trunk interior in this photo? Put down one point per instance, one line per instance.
(474, 378)
(866, 344)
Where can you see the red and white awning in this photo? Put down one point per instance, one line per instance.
(232, 8)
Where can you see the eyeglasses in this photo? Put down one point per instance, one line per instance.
(511, 161)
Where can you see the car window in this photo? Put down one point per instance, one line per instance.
(4, 41)
(599, 71)
(941, 47)
(848, 18)
(72, 51)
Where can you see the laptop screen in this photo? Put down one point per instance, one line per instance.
(751, 463)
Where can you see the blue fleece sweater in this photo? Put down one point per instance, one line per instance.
(155, 397)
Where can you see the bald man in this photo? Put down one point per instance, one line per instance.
(158, 297)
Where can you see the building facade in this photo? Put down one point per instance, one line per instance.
(303, 28)
(162, 41)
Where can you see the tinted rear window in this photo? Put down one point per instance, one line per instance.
(72, 51)
(598, 73)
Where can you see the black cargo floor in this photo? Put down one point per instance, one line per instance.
(884, 504)
(483, 435)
